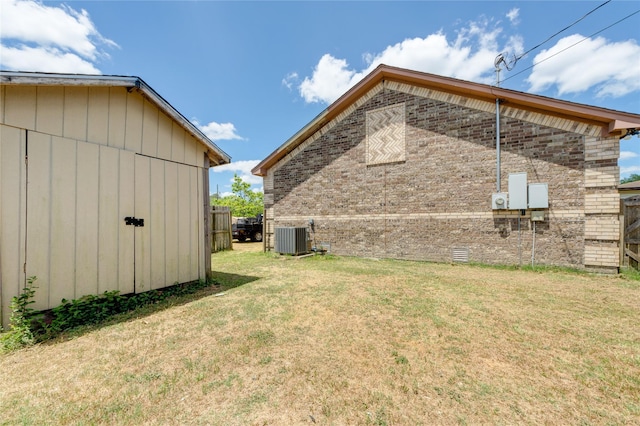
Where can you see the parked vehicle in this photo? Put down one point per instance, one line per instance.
(244, 228)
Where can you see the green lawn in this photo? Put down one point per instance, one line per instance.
(330, 340)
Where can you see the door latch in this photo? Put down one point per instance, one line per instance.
(130, 220)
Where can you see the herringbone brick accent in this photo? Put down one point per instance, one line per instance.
(386, 135)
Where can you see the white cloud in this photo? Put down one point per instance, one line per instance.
(26, 58)
(591, 64)
(290, 80)
(219, 131)
(243, 166)
(242, 169)
(626, 155)
(470, 57)
(331, 78)
(513, 16)
(36, 37)
(626, 171)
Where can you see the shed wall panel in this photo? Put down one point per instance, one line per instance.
(126, 234)
(157, 223)
(109, 219)
(20, 107)
(172, 220)
(150, 130)
(191, 151)
(165, 130)
(184, 225)
(105, 116)
(194, 221)
(2, 103)
(142, 234)
(177, 143)
(117, 116)
(203, 235)
(98, 115)
(63, 219)
(87, 208)
(133, 123)
(167, 247)
(50, 110)
(12, 216)
(39, 203)
(76, 106)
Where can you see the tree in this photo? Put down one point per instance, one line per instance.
(244, 202)
(634, 177)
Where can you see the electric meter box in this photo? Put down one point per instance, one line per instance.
(499, 201)
(538, 196)
(517, 191)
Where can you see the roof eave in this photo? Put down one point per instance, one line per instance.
(612, 121)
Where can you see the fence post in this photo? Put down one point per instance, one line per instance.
(631, 234)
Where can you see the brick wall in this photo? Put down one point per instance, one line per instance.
(602, 204)
(439, 198)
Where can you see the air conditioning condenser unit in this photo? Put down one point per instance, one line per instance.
(291, 240)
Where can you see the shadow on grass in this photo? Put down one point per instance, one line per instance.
(228, 281)
(218, 283)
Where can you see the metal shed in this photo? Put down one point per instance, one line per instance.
(103, 186)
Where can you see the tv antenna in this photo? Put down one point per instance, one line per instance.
(508, 64)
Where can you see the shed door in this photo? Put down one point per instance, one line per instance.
(76, 194)
(167, 247)
(77, 241)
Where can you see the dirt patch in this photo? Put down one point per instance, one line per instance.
(247, 246)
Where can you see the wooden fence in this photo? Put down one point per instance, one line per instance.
(221, 238)
(631, 231)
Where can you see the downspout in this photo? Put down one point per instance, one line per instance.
(497, 145)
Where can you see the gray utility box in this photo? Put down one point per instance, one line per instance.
(538, 196)
(290, 240)
(517, 191)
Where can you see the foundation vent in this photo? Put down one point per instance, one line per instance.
(460, 254)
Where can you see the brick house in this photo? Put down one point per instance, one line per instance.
(406, 165)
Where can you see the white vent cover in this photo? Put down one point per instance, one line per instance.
(461, 254)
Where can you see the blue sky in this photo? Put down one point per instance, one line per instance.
(251, 74)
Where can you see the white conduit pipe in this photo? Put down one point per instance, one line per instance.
(498, 145)
(533, 245)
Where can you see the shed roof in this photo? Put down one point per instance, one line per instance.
(613, 123)
(630, 186)
(131, 82)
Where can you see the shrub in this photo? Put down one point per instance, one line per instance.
(21, 333)
(29, 326)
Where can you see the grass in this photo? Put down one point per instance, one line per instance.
(332, 340)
